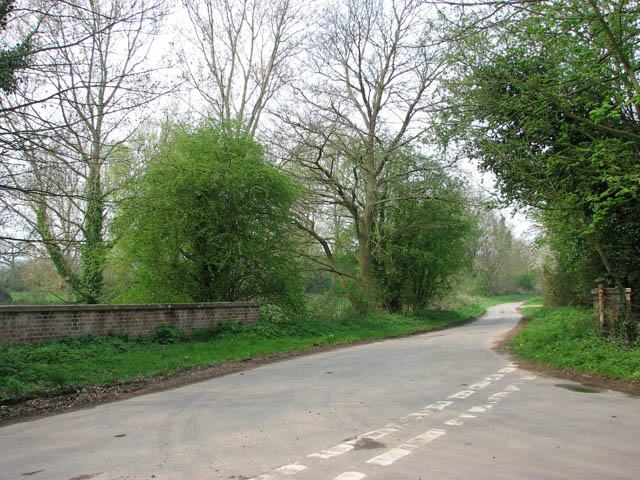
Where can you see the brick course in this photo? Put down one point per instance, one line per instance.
(25, 324)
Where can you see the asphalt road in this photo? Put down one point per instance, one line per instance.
(435, 406)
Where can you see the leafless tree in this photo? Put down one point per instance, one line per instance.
(245, 54)
(369, 96)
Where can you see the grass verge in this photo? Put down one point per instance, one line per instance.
(567, 338)
(48, 369)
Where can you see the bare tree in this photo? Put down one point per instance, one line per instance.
(246, 50)
(369, 97)
(94, 79)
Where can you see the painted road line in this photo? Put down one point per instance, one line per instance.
(454, 422)
(416, 415)
(495, 377)
(423, 439)
(528, 377)
(508, 370)
(499, 396)
(512, 388)
(462, 394)
(389, 457)
(350, 445)
(440, 405)
(290, 469)
(480, 385)
(350, 476)
(334, 451)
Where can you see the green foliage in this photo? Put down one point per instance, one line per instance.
(501, 264)
(5, 296)
(567, 337)
(550, 106)
(208, 220)
(423, 242)
(12, 59)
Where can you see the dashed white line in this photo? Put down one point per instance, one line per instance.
(333, 451)
(423, 439)
(290, 469)
(462, 394)
(350, 476)
(350, 445)
(494, 377)
(415, 415)
(389, 457)
(480, 385)
(454, 422)
(441, 405)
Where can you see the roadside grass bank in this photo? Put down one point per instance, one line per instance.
(45, 370)
(567, 338)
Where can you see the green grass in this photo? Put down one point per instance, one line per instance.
(534, 300)
(45, 369)
(567, 338)
(34, 298)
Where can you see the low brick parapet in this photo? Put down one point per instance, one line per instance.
(25, 324)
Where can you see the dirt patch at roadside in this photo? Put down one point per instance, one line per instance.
(587, 379)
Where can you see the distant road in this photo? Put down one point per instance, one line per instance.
(435, 406)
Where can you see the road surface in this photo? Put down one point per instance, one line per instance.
(436, 406)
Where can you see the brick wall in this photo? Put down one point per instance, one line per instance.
(23, 324)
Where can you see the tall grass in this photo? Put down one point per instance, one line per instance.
(567, 338)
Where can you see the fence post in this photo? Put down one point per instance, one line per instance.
(601, 304)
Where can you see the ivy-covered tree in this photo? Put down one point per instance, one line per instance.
(15, 58)
(208, 220)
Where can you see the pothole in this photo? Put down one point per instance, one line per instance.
(578, 388)
(367, 444)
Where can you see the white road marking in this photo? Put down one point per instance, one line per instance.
(466, 415)
(417, 415)
(462, 394)
(440, 405)
(494, 377)
(499, 396)
(389, 457)
(334, 451)
(350, 445)
(479, 409)
(507, 370)
(512, 388)
(376, 434)
(480, 385)
(350, 476)
(528, 377)
(290, 469)
(454, 422)
(423, 439)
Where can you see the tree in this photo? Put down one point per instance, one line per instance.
(208, 220)
(422, 242)
(244, 51)
(95, 75)
(501, 263)
(550, 101)
(370, 90)
(12, 59)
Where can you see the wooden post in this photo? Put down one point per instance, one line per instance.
(601, 304)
